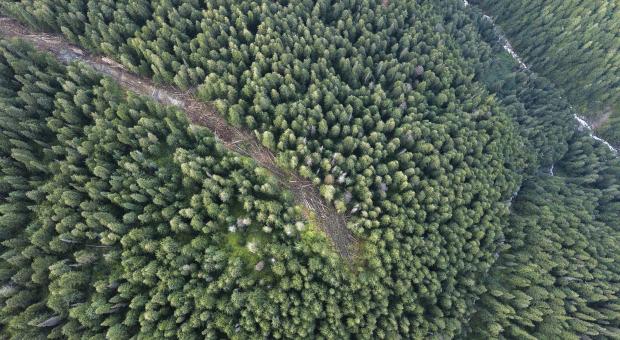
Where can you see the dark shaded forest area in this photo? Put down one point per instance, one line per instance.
(575, 44)
(478, 208)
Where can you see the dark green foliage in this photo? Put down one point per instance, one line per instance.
(26, 101)
(573, 43)
(374, 105)
(132, 221)
(544, 118)
(120, 220)
(560, 275)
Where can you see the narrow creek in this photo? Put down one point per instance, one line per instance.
(582, 124)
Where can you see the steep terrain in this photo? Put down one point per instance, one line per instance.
(575, 44)
(236, 139)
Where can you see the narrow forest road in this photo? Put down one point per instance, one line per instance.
(235, 139)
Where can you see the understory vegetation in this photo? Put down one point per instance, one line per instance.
(481, 211)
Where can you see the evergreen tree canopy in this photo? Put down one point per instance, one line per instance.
(479, 210)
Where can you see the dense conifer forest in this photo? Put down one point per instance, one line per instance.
(475, 205)
(576, 44)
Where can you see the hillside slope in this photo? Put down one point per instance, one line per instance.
(576, 44)
(124, 218)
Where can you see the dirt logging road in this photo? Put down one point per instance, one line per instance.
(201, 113)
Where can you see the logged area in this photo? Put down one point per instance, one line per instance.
(235, 139)
(295, 169)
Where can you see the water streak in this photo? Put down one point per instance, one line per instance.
(508, 47)
(505, 43)
(584, 125)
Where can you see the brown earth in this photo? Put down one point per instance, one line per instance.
(201, 113)
(600, 119)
